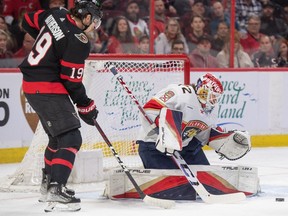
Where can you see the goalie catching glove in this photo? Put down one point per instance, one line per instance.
(88, 113)
(231, 145)
(169, 138)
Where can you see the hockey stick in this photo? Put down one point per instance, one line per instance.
(188, 173)
(147, 199)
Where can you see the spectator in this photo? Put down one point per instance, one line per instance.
(15, 9)
(219, 38)
(270, 25)
(178, 47)
(137, 25)
(241, 58)
(201, 57)
(57, 3)
(160, 17)
(121, 40)
(282, 50)
(285, 13)
(265, 56)
(4, 52)
(26, 47)
(197, 9)
(250, 41)
(218, 16)
(11, 43)
(181, 7)
(143, 46)
(164, 40)
(244, 10)
(195, 31)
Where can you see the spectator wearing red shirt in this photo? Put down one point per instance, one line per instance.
(26, 47)
(160, 17)
(15, 9)
(201, 56)
(250, 41)
(121, 40)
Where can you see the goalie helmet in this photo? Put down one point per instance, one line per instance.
(85, 7)
(208, 90)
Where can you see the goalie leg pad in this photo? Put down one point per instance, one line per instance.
(231, 145)
(170, 130)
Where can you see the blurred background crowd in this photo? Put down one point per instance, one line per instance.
(198, 28)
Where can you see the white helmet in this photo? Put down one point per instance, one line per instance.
(208, 90)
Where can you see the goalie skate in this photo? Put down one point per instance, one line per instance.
(59, 200)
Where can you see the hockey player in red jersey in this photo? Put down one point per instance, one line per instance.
(52, 83)
(186, 119)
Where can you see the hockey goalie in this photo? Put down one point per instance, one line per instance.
(185, 120)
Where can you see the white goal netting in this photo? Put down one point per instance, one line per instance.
(118, 115)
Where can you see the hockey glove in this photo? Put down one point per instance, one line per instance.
(161, 148)
(88, 113)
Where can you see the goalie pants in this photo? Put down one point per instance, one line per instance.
(154, 159)
(60, 122)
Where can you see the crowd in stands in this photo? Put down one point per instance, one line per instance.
(198, 28)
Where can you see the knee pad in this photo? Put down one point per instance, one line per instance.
(71, 139)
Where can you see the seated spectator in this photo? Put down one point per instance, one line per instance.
(285, 13)
(197, 9)
(218, 16)
(250, 41)
(282, 50)
(178, 47)
(143, 46)
(160, 17)
(270, 25)
(26, 47)
(15, 9)
(4, 52)
(121, 40)
(245, 9)
(241, 58)
(164, 40)
(219, 38)
(11, 43)
(56, 3)
(265, 56)
(201, 57)
(137, 25)
(194, 31)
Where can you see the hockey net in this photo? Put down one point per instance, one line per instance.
(118, 115)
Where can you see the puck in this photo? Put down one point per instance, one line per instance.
(279, 199)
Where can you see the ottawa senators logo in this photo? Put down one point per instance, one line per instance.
(82, 37)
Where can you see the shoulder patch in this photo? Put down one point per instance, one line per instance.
(82, 37)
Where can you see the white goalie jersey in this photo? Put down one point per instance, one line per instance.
(181, 98)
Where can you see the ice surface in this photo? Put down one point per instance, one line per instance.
(272, 164)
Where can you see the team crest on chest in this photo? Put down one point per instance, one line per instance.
(82, 37)
(192, 128)
(167, 96)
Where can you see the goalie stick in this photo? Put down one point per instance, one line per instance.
(147, 199)
(188, 173)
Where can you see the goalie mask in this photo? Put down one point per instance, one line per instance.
(208, 90)
(84, 7)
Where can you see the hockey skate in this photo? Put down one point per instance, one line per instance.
(44, 187)
(59, 200)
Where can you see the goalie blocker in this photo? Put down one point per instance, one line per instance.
(171, 184)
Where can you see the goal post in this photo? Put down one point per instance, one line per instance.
(119, 118)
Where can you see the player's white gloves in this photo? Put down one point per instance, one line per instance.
(169, 138)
